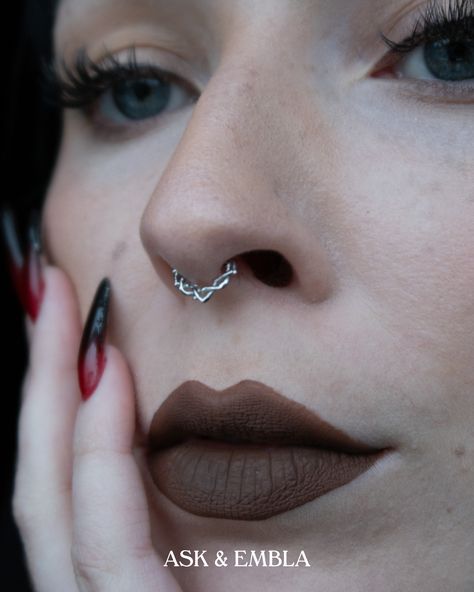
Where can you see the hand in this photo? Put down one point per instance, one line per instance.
(79, 499)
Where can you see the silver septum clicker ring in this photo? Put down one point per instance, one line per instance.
(202, 294)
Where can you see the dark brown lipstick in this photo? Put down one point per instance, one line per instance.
(247, 452)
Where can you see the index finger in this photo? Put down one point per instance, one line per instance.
(112, 545)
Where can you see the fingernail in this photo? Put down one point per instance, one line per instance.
(92, 359)
(14, 254)
(33, 273)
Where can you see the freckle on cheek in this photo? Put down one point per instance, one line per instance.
(119, 250)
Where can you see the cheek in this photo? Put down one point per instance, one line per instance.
(409, 229)
(73, 239)
(84, 234)
(92, 211)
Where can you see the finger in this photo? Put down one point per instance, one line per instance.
(41, 499)
(29, 329)
(112, 545)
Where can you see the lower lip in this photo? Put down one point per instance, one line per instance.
(242, 481)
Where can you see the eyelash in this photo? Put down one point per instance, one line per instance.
(80, 86)
(436, 22)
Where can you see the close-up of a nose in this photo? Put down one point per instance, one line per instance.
(226, 195)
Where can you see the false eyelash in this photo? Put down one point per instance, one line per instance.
(454, 22)
(79, 86)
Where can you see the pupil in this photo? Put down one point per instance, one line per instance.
(139, 99)
(450, 60)
(457, 52)
(142, 90)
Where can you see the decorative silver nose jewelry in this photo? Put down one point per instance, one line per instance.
(203, 294)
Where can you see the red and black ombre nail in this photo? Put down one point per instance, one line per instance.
(32, 271)
(14, 253)
(92, 359)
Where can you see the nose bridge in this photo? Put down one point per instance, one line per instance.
(216, 198)
(228, 133)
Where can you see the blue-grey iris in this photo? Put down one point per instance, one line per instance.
(139, 99)
(450, 60)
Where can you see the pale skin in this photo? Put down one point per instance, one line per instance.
(364, 183)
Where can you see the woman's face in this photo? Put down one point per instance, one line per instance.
(306, 141)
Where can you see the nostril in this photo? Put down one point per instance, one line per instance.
(269, 267)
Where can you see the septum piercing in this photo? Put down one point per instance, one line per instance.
(202, 294)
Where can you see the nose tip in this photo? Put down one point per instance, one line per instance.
(195, 245)
(290, 260)
(187, 229)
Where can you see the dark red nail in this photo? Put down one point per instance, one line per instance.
(92, 359)
(14, 253)
(33, 275)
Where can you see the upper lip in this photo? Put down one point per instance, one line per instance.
(245, 412)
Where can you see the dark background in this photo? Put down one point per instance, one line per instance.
(28, 138)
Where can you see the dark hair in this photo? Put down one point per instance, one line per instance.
(31, 126)
(29, 135)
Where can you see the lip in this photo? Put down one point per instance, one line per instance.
(247, 452)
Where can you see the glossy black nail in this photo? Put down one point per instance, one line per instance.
(92, 358)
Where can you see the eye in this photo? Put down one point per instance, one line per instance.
(138, 99)
(116, 93)
(443, 59)
(439, 49)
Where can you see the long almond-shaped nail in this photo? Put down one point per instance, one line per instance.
(92, 359)
(14, 253)
(33, 273)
